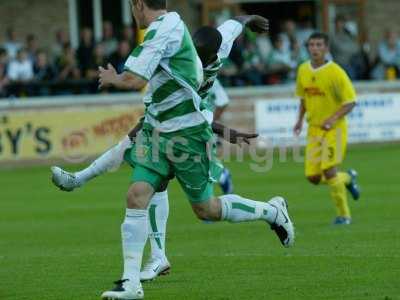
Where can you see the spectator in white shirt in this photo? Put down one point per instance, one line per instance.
(304, 32)
(288, 35)
(21, 68)
(279, 59)
(11, 45)
(388, 55)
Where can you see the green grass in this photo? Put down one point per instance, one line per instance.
(57, 246)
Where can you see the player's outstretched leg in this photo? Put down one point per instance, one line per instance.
(158, 263)
(225, 182)
(233, 208)
(110, 160)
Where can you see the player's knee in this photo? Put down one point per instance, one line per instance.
(201, 213)
(208, 211)
(139, 196)
(314, 179)
(330, 173)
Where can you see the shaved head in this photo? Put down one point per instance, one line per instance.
(207, 41)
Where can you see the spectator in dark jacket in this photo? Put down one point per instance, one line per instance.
(42, 69)
(3, 71)
(98, 59)
(85, 50)
(119, 57)
(32, 46)
(68, 65)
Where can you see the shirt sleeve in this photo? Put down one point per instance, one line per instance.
(346, 89)
(230, 30)
(145, 58)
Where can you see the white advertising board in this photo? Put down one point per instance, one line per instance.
(376, 118)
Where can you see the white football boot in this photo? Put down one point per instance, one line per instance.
(64, 180)
(124, 291)
(282, 225)
(153, 268)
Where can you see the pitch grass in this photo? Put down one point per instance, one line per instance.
(57, 246)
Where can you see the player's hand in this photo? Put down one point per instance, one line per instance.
(298, 128)
(106, 76)
(258, 24)
(328, 124)
(237, 137)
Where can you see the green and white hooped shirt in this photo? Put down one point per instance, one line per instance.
(168, 60)
(178, 86)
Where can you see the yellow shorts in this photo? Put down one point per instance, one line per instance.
(325, 149)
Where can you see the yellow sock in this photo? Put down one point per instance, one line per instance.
(344, 177)
(339, 196)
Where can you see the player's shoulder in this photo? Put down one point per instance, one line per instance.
(304, 67)
(337, 72)
(335, 67)
(170, 17)
(165, 23)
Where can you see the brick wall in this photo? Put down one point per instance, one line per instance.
(41, 17)
(44, 17)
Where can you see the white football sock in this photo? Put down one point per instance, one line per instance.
(134, 237)
(158, 216)
(237, 209)
(110, 160)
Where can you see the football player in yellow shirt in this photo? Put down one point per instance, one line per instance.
(327, 96)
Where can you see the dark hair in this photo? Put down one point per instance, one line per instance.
(207, 41)
(319, 36)
(3, 51)
(156, 4)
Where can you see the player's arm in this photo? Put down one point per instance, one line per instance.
(219, 110)
(132, 134)
(254, 22)
(142, 62)
(347, 96)
(341, 113)
(221, 99)
(231, 135)
(300, 119)
(231, 29)
(124, 81)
